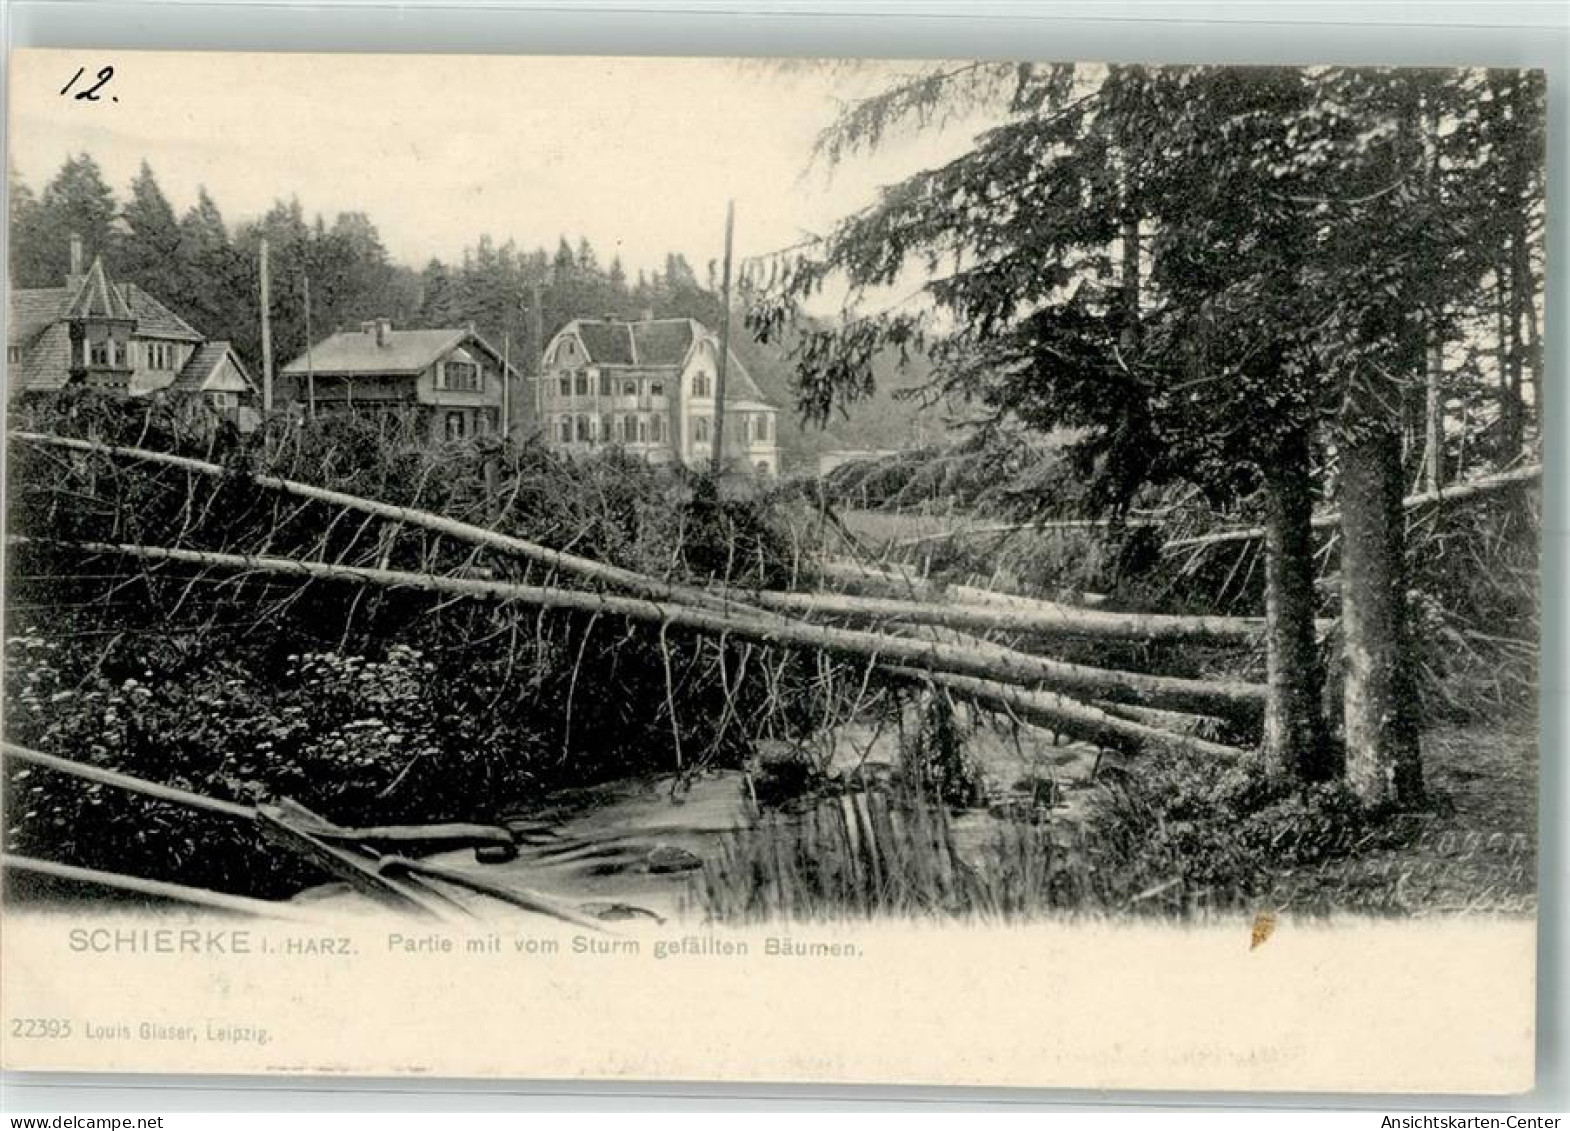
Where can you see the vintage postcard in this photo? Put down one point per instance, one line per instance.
(964, 572)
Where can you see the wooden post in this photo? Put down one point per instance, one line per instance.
(537, 349)
(506, 385)
(267, 334)
(719, 381)
(310, 362)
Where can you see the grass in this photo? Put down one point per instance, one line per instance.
(1166, 838)
(864, 855)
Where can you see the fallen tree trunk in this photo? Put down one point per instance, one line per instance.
(1070, 717)
(1000, 528)
(613, 576)
(1043, 618)
(1227, 697)
(1456, 492)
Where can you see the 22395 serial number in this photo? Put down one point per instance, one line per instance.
(40, 1028)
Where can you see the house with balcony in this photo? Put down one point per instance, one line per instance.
(114, 336)
(648, 386)
(447, 384)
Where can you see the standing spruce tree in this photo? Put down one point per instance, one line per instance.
(1208, 274)
(150, 253)
(1413, 164)
(78, 201)
(1100, 262)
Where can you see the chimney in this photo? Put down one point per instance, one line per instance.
(383, 332)
(77, 266)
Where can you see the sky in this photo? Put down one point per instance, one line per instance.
(637, 155)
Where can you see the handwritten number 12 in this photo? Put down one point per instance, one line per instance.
(91, 93)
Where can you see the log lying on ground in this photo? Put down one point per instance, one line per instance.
(1041, 618)
(1070, 717)
(1454, 493)
(975, 595)
(1002, 528)
(1225, 697)
(1200, 726)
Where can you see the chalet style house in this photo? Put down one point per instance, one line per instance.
(448, 383)
(114, 336)
(648, 386)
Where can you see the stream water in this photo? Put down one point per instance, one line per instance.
(633, 848)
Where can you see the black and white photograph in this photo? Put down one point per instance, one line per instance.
(776, 522)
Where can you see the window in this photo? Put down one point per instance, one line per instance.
(629, 429)
(160, 355)
(583, 430)
(98, 352)
(482, 424)
(605, 384)
(564, 429)
(643, 429)
(763, 467)
(656, 389)
(458, 376)
(454, 425)
(566, 386)
(223, 401)
(581, 385)
(13, 354)
(700, 430)
(629, 388)
(700, 385)
(658, 428)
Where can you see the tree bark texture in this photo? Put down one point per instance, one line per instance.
(1383, 759)
(1295, 742)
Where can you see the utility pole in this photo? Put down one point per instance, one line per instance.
(506, 386)
(267, 336)
(310, 362)
(719, 381)
(537, 349)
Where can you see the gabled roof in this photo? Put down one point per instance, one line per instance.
(154, 319)
(664, 341)
(33, 310)
(194, 374)
(351, 352)
(39, 316)
(96, 298)
(46, 361)
(651, 342)
(660, 343)
(407, 352)
(606, 343)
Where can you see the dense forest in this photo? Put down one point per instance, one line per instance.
(1272, 288)
(207, 270)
